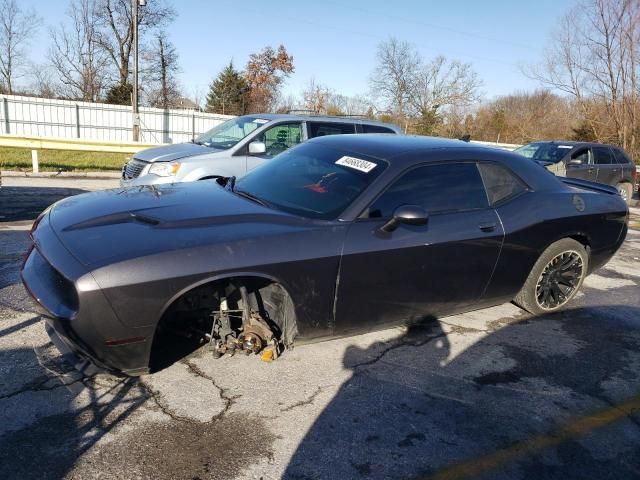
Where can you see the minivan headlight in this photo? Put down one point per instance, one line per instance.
(164, 169)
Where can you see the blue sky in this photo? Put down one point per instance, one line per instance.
(335, 41)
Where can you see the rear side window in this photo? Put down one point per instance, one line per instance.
(620, 156)
(603, 155)
(500, 183)
(375, 129)
(437, 188)
(320, 129)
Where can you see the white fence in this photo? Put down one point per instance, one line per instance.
(41, 117)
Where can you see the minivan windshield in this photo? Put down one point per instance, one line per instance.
(229, 133)
(544, 152)
(311, 180)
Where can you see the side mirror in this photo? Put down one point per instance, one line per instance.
(575, 161)
(257, 148)
(407, 214)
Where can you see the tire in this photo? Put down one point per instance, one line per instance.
(626, 192)
(564, 275)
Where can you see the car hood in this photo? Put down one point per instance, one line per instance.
(169, 153)
(114, 225)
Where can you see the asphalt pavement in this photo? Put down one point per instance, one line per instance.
(490, 394)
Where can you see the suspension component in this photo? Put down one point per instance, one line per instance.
(242, 330)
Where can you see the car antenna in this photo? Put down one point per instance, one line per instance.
(465, 138)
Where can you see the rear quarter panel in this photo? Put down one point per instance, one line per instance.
(535, 220)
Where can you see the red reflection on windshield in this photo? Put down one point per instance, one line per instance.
(316, 187)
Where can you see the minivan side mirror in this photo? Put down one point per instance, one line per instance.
(257, 148)
(407, 214)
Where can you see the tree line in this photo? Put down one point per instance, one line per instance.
(589, 76)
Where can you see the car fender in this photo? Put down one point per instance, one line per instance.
(219, 277)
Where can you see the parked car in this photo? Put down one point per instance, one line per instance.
(237, 146)
(340, 235)
(595, 162)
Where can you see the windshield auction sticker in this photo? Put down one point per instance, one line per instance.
(356, 163)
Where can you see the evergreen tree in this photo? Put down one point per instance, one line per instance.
(228, 93)
(120, 94)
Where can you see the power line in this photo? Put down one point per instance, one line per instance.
(368, 35)
(433, 25)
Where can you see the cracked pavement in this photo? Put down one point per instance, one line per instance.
(490, 394)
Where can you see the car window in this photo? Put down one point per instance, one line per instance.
(602, 155)
(583, 155)
(437, 188)
(500, 183)
(320, 129)
(281, 137)
(620, 156)
(545, 152)
(229, 133)
(312, 180)
(375, 129)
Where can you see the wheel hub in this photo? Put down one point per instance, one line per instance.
(559, 280)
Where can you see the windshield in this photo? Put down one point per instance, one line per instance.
(229, 133)
(311, 180)
(544, 152)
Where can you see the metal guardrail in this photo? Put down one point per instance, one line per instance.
(52, 143)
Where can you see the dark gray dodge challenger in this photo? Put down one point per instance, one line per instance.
(338, 236)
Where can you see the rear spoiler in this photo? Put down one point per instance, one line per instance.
(599, 187)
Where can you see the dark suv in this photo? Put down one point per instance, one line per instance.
(589, 161)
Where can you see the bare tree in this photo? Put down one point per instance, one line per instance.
(76, 55)
(593, 56)
(16, 30)
(43, 82)
(442, 83)
(392, 81)
(315, 97)
(116, 29)
(161, 69)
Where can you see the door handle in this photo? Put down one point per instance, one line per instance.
(590, 170)
(488, 226)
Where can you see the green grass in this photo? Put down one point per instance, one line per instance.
(12, 158)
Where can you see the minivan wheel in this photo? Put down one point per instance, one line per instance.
(555, 278)
(625, 191)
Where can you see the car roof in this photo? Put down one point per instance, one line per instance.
(390, 147)
(320, 118)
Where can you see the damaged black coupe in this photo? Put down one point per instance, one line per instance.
(338, 236)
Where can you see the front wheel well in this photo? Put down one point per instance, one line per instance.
(187, 323)
(582, 239)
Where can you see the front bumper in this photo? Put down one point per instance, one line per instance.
(71, 352)
(80, 320)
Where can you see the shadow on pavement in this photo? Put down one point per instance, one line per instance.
(50, 446)
(554, 396)
(26, 203)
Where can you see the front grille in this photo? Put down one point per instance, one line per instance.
(133, 168)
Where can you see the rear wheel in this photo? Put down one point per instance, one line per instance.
(625, 191)
(555, 278)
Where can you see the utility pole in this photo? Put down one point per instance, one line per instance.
(135, 101)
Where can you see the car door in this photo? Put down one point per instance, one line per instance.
(580, 165)
(608, 171)
(277, 139)
(419, 271)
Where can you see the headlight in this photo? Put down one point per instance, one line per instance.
(164, 169)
